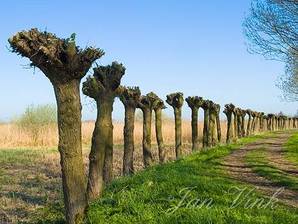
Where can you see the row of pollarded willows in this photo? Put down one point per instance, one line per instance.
(65, 64)
(237, 126)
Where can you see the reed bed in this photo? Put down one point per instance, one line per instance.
(11, 136)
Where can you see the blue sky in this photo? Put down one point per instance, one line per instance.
(196, 47)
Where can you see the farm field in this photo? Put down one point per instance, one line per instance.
(31, 187)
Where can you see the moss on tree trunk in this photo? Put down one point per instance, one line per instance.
(129, 121)
(103, 87)
(218, 127)
(159, 137)
(70, 148)
(228, 111)
(194, 129)
(147, 120)
(178, 132)
(206, 128)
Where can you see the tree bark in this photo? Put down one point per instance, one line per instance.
(159, 137)
(206, 143)
(147, 154)
(239, 125)
(218, 128)
(70, 148)
(235, 126)
(212, 129)
(194, 128)
(178, 132)
(106, 110)
(243, 126)
(248, 130)
(230, 130)
(102, 141)
(129, 124)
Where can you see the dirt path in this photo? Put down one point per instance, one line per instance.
(239, 170)
(276, 157)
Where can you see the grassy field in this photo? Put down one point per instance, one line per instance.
(195, 189)
(291, 149)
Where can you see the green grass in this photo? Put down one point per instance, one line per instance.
(291, 149)
(191, 190)
(259, 163)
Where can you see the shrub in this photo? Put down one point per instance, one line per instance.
(36, 118)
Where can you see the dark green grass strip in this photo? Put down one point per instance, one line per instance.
(291, 149)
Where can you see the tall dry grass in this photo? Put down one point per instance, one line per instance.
(11, 136)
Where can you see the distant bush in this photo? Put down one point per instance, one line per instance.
(36, 118)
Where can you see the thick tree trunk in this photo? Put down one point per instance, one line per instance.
(235, 126)
(159, 137)
(218, 128)
(102, 140)
(212, 129)
(194, 129)
(248, 130)
(70, 148)
(206, 128)
(243, 126)
(178, 132)
(147, 154)
(230, 131)
(106, 110)
(239, 133)
(129, 124)
(253, 125)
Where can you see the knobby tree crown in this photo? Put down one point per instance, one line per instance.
(130, 96)
(175, 99)
(59, 59)
(105, 81)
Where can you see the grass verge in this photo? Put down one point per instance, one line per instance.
(291, 149)
(194, 189)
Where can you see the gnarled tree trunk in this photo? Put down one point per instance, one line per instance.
(147, 121)
(128, 140)
(69, 127)
(176, 101)
(100, 138)
(178, 132)
(159, 137)
(206, 129)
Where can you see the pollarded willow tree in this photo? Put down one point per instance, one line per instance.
(261, 121)
(235, 121)
(249, 122)
(242, 115)
(218, 126)
(130, 97)
(254, 121)
(206, 130)
(237, 113)
(212, 124)
(158, 106)
(176, 101)
(64, 64)
(228, 111)
(194, 102)
(146, 105)
(103, 87)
